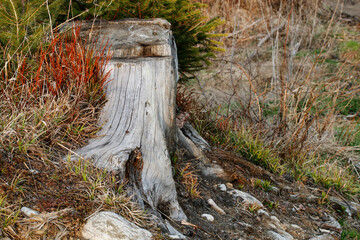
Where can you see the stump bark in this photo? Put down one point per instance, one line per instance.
(138, 121)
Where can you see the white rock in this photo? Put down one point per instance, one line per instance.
(323, 237)
(208, 217)
(244, 224)
(110, 226)
(229, 185)
(222, 187)
(272, 226)
(215, 206)
(176, 237)
(247, 198)
(296, 227)
(332, 224)
(263, 212)
(29, 212)
(324, 230)
(276, 221)
(33, 171)
(276, 236)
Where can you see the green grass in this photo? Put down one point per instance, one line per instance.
(348, 232)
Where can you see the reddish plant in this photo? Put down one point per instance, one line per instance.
(69, 64)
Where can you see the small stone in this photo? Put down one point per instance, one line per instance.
(33, 171)
(276, 221)
(272, 226)
(29, 212)
(323, 237)
(296, 227)
(222, 187)
(276, 236)
(332, 225)
(324, 230)
(263, 212)
(215, 206)
(247, 198)
(215, 171)
(244, 224)
(229, 185)
(208, 217)
(293, 196)
(175, 237)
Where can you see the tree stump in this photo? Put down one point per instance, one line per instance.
(138, 121)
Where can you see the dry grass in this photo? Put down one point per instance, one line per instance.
(284, 86)
(55, 100)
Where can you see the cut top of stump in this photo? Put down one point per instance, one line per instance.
(129, 38)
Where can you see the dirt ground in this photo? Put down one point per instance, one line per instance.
(300, 208)
(347, 7)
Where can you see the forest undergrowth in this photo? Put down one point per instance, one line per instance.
(285, 95)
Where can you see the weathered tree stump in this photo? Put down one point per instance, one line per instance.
(138, 121)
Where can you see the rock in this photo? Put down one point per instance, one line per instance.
(214, 170)
(332, 225)
(176, 237)
(276, 236)
(208, 217)
(275, 221)
(215, 207)
(229, 185)
(296, 231)
(222, 187)
(29, 212)
(324, 230)
(110, 226)
(33, 171)
(296, 227)
(263, 212)
(324, 237)
(247, 198)
(246, 225)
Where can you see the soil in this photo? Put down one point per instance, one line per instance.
(301, 216)
(350, 8)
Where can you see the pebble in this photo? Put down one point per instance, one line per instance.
(296, 227)
(29, 212)
(175, 237)
(215, 206)
(276, 236)
(208, 217)
(229, 185)
(247, 198)
(323, 237)
(263, 212)
(332, 225)
(244, 224)
(222, 187)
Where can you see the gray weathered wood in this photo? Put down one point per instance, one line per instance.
(138, 120)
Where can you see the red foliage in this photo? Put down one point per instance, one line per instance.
(67, 64)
